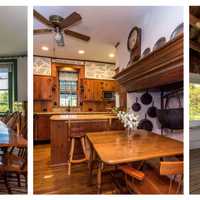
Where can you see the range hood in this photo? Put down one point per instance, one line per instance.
(161, 67)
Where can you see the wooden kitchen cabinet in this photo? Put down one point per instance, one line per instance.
(109, 85)
(41, 127)
(93, 89)
(43, 88)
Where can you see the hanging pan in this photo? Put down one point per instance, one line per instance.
(145, 124)
(152, 111)
(171, 118)
(136, 106)
(146, 98)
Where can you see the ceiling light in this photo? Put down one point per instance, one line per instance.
(44, 48)
(81, 51)
(111, 55)
(58, 36)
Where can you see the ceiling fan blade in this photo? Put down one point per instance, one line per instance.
(42, 19)
(71, 19)
(42, 31)
(77, 35)
(117, 44)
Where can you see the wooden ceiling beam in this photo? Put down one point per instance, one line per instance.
(195, 46)
(194, 21)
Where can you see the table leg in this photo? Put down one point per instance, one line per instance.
(90, 164)
(99, 177)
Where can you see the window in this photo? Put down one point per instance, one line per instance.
(8, 85)
(4, 94)
(68, 88)
(194, 101)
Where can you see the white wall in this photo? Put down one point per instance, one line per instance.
(22, 78)
(160, 21)
(156, 98)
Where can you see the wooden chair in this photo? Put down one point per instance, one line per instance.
(15, 121)
(77, 131)
(14, 164)
(149, 181)
(6, 117)
(15, 161)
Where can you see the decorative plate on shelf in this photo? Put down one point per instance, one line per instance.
(159, 43)
(177, 31)
(146, 52)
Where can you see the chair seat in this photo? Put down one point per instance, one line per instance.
(11, 163)
(153, 183)
(77, 132)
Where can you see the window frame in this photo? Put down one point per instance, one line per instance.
(77, 85)
(12, 83)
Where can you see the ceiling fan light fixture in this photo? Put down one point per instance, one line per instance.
(58, 36)
(61, 42)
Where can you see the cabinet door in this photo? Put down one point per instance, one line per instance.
(36, 87)
(88, 90)
(41, 127)
(98, 92)
(109, 85)
(42, 88)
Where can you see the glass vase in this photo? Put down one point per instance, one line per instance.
(129, 132)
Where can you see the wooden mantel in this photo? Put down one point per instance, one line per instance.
(161, 67)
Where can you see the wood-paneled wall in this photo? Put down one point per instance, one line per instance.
(90, 91)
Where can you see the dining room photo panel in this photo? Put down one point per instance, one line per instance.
(13, 100)
(107, 105)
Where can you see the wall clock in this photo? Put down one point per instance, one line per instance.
(134, 44)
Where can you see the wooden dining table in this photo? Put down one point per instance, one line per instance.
(115, 147)
(9, 138)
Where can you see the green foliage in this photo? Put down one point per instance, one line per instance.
(17, 106)
(194, 102)
(4, 105)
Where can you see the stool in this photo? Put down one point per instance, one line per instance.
(71, 153)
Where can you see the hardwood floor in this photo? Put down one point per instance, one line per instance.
(54, 180)
(195, 171)
(15, 189)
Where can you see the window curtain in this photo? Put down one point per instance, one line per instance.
(68, 76)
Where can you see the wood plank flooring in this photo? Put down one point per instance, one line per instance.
(195, 171)
(15, 189)
(54, 180)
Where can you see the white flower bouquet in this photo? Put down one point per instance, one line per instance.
(129, 119)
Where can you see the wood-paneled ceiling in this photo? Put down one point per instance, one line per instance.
(195, 39)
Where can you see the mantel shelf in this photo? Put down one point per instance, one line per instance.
(161, 67)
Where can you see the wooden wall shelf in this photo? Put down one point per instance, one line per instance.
(161, 67)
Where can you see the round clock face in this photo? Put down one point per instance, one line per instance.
(132, 39)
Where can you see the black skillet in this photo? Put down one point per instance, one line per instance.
(145, 124)
(136, 106)
(146, 98)
(152, 111)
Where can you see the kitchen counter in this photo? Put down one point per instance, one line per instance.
(42, 121)
(60, 131)
(68, 113)
(82, 117)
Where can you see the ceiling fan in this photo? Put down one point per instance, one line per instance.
(59, 25)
